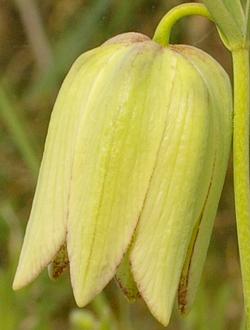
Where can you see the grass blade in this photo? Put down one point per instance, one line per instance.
(18, 131)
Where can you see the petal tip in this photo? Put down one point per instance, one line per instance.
(161, 314)
(81, 298)
(16, 286)
(19, 282)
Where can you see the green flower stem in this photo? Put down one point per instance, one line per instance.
(163, 30)
(241, 166)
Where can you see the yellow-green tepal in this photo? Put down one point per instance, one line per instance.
(132, 172)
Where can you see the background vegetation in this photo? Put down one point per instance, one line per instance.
(39, 40)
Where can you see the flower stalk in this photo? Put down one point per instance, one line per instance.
(241, 166)
(164, 29)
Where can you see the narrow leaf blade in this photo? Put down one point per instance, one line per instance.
(229, 17)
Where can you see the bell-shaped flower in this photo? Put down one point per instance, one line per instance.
(132, 172)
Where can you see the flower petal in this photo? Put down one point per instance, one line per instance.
(220, 93)
(46, 229)
(115, 152)
(177, 191)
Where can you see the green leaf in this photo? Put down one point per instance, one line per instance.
(229, 17)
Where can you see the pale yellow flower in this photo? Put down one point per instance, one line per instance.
(137, 147)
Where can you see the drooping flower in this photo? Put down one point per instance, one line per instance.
(132, 172)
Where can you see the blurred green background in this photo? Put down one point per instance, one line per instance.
(39, 40)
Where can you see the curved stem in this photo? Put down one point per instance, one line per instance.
(241, 167)
(162, 33)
